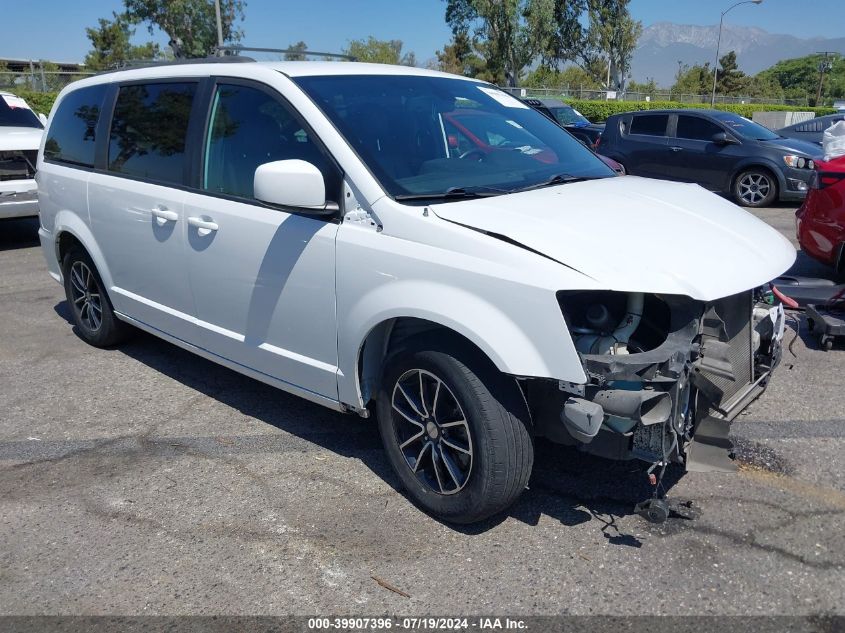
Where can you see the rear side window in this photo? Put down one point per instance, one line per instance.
(650, 124)
(696, 128)
(148, 131)
(71, 137)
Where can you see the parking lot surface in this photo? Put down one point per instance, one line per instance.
(145, 480)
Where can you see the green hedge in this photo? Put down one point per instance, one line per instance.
(598, 111)
(594, 110)
(38, 101)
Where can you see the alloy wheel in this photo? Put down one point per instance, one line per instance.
(753, 188)
(86, 297)
(432, 431)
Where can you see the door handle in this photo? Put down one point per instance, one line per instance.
(676, 148)
(204, 227)
(162, 215)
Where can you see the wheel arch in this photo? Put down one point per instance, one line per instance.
(757, 163)
(70, 229)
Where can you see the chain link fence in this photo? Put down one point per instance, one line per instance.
(587, 94)
(39, 79)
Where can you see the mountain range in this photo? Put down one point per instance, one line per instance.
(663, 44)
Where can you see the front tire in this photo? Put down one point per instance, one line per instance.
(456, 431)
(90, 307)
(755, 188)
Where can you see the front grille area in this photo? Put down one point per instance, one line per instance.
(18, 165)
(735, 313)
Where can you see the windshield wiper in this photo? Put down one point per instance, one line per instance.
(454, 192)
(557, 179)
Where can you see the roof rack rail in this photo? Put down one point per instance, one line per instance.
(233, 51)
(151, 63)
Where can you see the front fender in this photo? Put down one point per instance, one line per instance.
(518, 343)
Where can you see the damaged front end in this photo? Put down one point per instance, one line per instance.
(666, 374)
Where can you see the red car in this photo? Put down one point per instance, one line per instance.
(821, 219)
(471, 133)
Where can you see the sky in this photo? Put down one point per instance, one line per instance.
(327, 25)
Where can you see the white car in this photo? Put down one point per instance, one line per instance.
(20, 135)
(414, 245)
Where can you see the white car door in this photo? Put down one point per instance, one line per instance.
(263, 280)
(136, 212)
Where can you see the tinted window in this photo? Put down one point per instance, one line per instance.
(400, 126)
(71, 136)
(14, 112)
(650, 124)
(249, 127)
(148, 130)
(696, 128)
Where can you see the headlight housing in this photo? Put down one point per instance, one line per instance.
(798, 162)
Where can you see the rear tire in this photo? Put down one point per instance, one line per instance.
(755, 188)
(471, 455)
(89, 304)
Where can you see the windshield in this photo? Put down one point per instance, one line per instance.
(432, 135)
(15, 113)
(745, 127)
(569, 116)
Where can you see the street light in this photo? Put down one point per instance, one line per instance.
(719, 44)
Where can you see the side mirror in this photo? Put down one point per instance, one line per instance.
(721, 138)
(292, 183)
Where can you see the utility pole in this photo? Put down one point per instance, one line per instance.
(824, 66)
(219, 26)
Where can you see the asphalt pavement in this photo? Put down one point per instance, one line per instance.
(145, 480)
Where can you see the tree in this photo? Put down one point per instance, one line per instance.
(298, 54)
(380, 52)
(612, 33)
(799, 78)
(693, 80)
(730, 80)
(111, 46)
(459, 58)
(571, 77)
(648, 88)
(501, 32)
(191, 25)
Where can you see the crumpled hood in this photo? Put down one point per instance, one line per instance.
(637, 234)
(12, 138)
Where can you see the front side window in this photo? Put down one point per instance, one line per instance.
(650, 124)
(426, 136)
(71, 137)
(249, 127)
(148, 131)
(696, 128)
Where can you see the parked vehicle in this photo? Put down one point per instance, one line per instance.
(812, 130)
(720, 151)
(471, 133)
(20, 136)
(569, 118)
(820, 221)
(311, 225)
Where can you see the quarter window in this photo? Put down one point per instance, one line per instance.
(650, 124)
(71, 137)
(148, 131)
(249, 127)
(696, 128)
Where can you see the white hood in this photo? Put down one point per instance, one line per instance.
(637, 234)
(12, 138)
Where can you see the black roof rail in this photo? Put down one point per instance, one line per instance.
(233, 51)
(151, 63)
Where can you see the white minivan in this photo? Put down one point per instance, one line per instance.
(408, 244)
